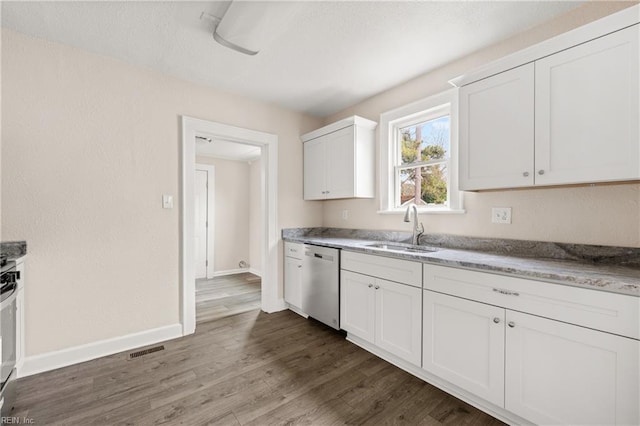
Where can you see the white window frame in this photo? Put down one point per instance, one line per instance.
(390, 124)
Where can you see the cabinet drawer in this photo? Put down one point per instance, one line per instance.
(610, 312)
(398, 270)
(295, 250)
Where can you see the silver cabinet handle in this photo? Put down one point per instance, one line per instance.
(540, 172)
(370, 285)
(525, 174)
(299, 266)
(511, 324)
(377, 287)
(496, 320)
(506, 292)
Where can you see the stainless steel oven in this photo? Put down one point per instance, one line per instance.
(8, 293)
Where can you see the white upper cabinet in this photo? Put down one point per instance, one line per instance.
(569, 115)
(496, 131)
(314, 169)
(339, 160)
(587, 112)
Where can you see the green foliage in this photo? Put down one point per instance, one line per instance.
(408, 149)
(434, 185)
(434, 182)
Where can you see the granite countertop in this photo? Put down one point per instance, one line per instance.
(13, 249)
(611, 269)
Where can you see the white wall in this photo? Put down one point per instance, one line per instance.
(255, 217)
(89, 145)
(231, 227)
(607, 214)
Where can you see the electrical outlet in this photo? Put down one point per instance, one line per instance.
(345, 214)
(501, 215)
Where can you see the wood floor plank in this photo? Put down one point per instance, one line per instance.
(251, 368)
(226, 296)
(296, 410)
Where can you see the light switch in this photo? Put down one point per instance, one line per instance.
(167, 201)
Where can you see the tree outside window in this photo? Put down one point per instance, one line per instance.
(424, 159)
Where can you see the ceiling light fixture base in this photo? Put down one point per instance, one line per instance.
(221, 40)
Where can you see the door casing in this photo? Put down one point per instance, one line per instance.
(268, 143)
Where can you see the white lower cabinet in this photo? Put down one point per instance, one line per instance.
(543, 370)
(398, 312)
(464, 344)
(384, 313)
(358, 305)
(525, 350)
(293, 281)
(559, 373)
(293, 274)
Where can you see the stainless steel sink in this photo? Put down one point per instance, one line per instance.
(402, 248)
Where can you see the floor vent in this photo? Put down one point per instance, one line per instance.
(143, 352)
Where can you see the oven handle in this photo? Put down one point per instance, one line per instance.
(8, 300)
(9, 287)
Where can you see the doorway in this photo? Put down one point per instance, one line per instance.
(227, 283)
(268, 144)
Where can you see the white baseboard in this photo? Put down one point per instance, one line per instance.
(230, 272)
(74, 355)
(276, 306)
(297, 311)
(256, 272)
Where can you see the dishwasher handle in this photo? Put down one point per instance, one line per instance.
(319, 256)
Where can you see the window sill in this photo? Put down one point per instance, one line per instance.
(424, 211)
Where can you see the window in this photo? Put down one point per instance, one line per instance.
(420, 165)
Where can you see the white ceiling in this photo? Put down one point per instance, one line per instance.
(227, 150)
(331, 55)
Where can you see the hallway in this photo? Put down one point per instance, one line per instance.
(227, 295)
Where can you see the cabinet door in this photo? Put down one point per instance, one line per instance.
(587, 115)
(557, 373)
(314, 169)
(496, 131)
(357, 305)
(398, 326)
(464, 344)
(293, 281)
(340, 163)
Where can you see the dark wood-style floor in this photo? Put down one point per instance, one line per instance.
(252, 368)
(227, 295)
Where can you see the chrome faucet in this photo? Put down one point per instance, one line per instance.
(416, 234)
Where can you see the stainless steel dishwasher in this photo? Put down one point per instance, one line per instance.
(321, 284)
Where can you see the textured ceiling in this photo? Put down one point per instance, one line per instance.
(329, 56)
